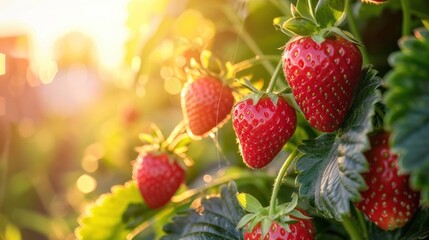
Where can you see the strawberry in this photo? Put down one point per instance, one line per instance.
(262, 128)
(284, 221)
(303, 230)
(322, 76)
(206, 104)
(388, 202)
(158, 177)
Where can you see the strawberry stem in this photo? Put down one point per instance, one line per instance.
(362, 223)
(406, 17)
(248, 63)
(355, 31)
(279, 180)
(274, 77)
(351, 228)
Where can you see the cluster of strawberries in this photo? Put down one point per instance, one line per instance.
(323, 74)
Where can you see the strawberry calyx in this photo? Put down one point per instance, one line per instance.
(209, 65)
(176, 145)
(184, 51)
(319, 22)
(255, 94)
(283, 214)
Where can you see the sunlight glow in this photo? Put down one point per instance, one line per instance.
(47, 74)
(2, 106)
(86, 183)
(207, 178)
(2, 64)
(89, 163)
(47, 20)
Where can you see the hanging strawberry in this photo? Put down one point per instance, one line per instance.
(207, 99)
(160, 167)
(263, 124)
(284, 223)
(321, 63)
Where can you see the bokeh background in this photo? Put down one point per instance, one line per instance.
(79, 80)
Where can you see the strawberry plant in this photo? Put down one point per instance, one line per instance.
(340, 134)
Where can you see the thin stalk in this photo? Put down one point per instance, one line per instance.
(279, 180)
(406, 17)
(351, 229)
(274, 77)
(355, 31)
(248, 63)
(362, 224)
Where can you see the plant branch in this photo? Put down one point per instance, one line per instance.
(279, 180)
(406, 17)
(355, 31)
(351, 229)
(274, 77)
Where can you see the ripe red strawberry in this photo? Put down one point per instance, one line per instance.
(206, 104)
(262, 129)
(158, 178)
(303, 230)
(388, 202)
(322, 77)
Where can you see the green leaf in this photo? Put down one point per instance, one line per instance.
(108, 217)
(265, 226)
(291, 205)
(249, 203)
(330, 13)
(274, 98)
(305, 8)
(217, 219)
(294, 11)
(301, 26)
(245, 220)
(407, 100)
(278, 23)
(331, 165)
(147, 138)
(181, 141)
